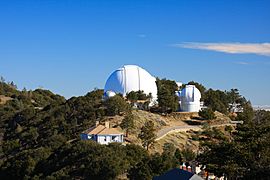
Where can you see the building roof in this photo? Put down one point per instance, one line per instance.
(178, 174)
(102, 130)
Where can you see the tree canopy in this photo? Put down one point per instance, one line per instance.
(147, 134)
(167, 100)
(243, 156)
(40, 138)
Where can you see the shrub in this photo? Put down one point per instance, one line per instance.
(207, 114)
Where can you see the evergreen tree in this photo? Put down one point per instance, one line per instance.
(207, 114)
(128, 123)
(167, 100)
(243, 156)
(147, 134)
(115, 105)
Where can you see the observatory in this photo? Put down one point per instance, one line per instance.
(134, 78)
(189, 99)
(131, 78)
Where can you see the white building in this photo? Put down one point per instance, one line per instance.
(131, 78)
(134, 78)
(103, 134)
(189, 99)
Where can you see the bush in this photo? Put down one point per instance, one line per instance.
(115, 105)
(207, 114)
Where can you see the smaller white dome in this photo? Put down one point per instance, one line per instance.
(190, 99)
(190, 94)
(109, 94)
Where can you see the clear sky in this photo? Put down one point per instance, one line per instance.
(72, 46)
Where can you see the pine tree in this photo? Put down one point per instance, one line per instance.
(128, 123)
(147, 134)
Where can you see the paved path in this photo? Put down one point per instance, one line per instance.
(163, 132)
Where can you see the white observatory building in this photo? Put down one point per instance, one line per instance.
(189, 99)
(131, 78)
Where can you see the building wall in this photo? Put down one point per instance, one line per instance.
(190, 106)
(84, 137)
(103, 139)
(88, 137)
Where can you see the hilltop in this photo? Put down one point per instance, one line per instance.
(40, 135)
(38, 124)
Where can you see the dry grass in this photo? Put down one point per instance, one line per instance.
(220, 119)
(4, 99)
(179, 139)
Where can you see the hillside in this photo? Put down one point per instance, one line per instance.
(175, 120)
(40, 138)
(4, 99)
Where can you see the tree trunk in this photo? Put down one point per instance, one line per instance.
(127, 133)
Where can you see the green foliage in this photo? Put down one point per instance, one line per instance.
(133, 96)
(178, 156)
(42, 98)
(135, 154)
(141, 171)
(188, 155)
(128, 122)
(116, 105)
(246, 154)
(162, 163)
(140, 98)
(169, 148)
(8, 89)
(216, 100)
(228, 129)
(36, 120)
(247, 115)
(11, 146)
(40, 132)
(167, 100)
(153, 165)
(222, 101)
(23, 163)
(207, 114)
(147, 134)
(55, 141)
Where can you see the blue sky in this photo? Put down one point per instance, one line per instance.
(72, 46)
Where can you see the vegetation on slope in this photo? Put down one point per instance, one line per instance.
(245, 154)
(40, 139)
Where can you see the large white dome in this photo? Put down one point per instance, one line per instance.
(131, 78)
